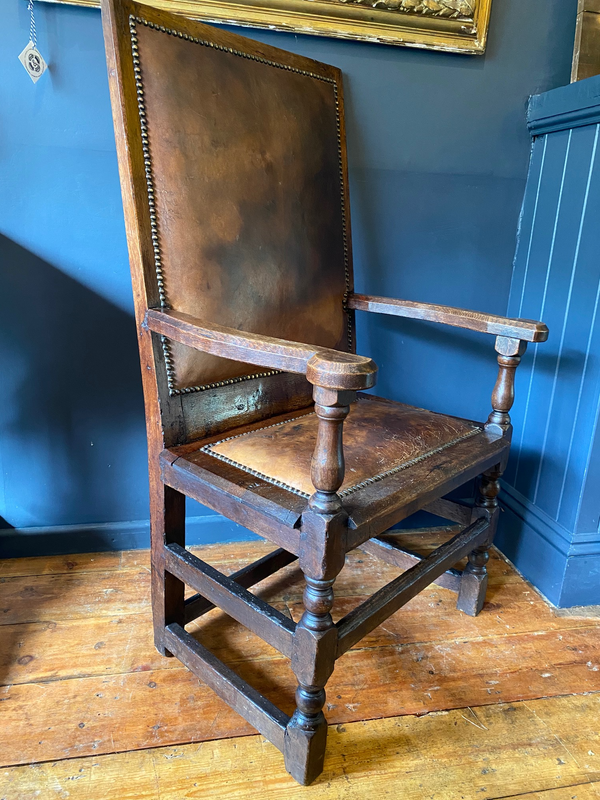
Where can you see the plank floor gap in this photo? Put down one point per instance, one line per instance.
(524, 796)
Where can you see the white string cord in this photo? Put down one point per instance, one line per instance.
(32, 30)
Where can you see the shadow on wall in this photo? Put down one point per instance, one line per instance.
(72, 438)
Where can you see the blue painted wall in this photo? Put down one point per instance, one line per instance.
(551, 492)
(438, 152)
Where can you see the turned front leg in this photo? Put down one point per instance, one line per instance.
(322, 553)
(313, 659)
(474, 581)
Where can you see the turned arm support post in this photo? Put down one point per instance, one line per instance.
(509, 356)
(474, 579)
(322, 552)
(327, 466)
(512, 335)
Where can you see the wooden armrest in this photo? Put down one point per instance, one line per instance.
(525, 329)
(330, 369)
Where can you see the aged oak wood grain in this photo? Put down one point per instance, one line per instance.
(39, 650)
(246, 577)
(277, 629)
(381, 605)
(36, 598)
(387, 550)
(524, 329)
(578, 791)
(330, 369)
(260, 712)
(473, 667)
(78, 562)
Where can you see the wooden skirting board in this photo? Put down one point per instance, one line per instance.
(432, 704)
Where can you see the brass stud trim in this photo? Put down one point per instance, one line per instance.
(406, 464)
(351, 489)
(154, 228)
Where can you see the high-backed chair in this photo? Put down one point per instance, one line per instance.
(233, 167)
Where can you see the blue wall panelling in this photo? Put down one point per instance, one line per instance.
(551, 486)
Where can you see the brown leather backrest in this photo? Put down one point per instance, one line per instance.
(242, 157)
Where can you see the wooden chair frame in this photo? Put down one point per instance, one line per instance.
(323, 538)
(323, 533)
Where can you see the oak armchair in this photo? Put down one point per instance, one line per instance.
(233, 169)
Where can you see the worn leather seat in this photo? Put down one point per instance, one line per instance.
(381, 438)
(395, 456)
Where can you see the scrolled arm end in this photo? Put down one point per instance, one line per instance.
(341, 371)
(330, 369)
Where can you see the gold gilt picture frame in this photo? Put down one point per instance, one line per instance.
(458, 26)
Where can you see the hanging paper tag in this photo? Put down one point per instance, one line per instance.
(32, 60)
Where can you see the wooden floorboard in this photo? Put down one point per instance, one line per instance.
(132, 559)
(47, 598)
(42, 650)
(168, 706)
(507, 750)
(81, 684)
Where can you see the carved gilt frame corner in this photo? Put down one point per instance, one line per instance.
(458, 26)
